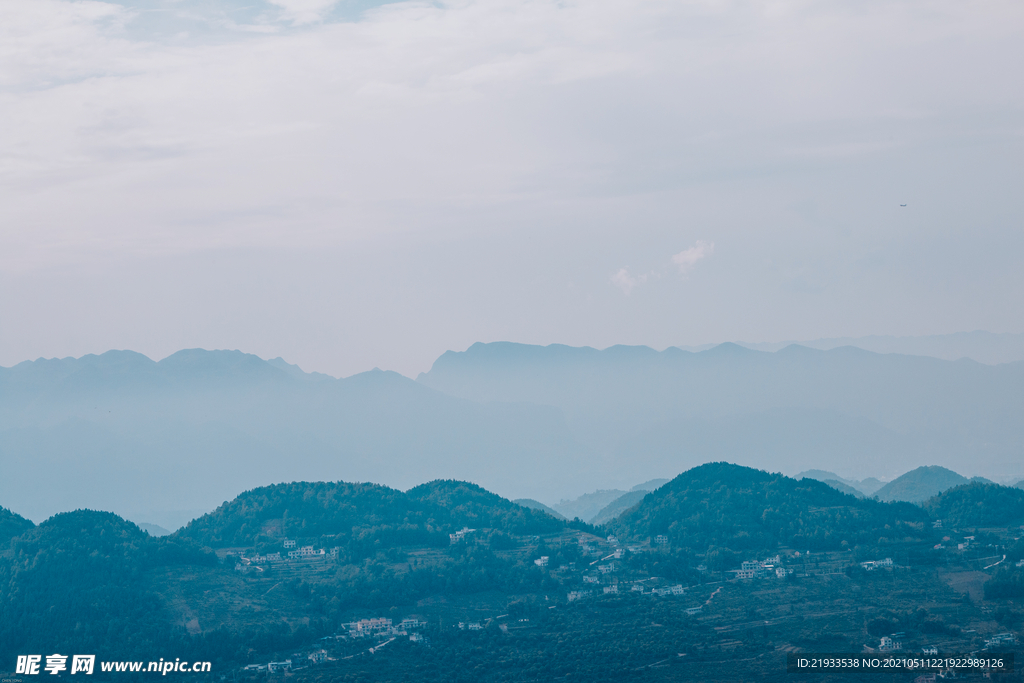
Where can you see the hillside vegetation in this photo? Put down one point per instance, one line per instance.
(11, 525)
(90, 581)
(74, 583)
(978, 505)
(740, 508)
(362, 518)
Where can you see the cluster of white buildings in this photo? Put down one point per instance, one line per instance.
(366, 628)
(613, 589)
(307, 552)
(460, 534)
(1000, 640)
(762, 569)
(876, 564)
(315, 657)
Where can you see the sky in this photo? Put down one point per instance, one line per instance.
(349, 184)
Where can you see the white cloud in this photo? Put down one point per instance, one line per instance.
(304, 11)
(688, 258)
(626, 282)
(419, 111)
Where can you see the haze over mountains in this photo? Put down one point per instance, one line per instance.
(162, 442)
(640, 412)
(979, 345)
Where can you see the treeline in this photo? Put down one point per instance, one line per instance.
(362, 519)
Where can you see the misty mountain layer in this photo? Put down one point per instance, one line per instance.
(162, 442)
(637, 411)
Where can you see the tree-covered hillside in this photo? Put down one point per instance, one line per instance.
(978, 505)
(92, 582)
(362, 518)
(11, 525)
(719, 504)
(74, 583)
(458, 503)
(313, 509)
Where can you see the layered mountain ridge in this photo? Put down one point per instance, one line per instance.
(161, 442)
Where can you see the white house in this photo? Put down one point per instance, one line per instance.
(887, 644)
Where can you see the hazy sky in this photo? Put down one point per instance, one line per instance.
(349, 185)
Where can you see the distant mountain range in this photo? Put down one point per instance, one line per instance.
(601, 506)
(162, 442)
(637, 411)
(915, 486)
(865, 487)
(980, 346)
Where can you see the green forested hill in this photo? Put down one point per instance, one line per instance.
(11, 525)
(313, 509)
(74, 583)
(719, 504)
(362, 518)
(458, 503)
(91, 582)
(978, 505)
